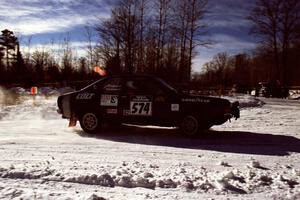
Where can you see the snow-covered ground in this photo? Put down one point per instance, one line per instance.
(254, 157)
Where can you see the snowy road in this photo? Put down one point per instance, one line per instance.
(255, 157)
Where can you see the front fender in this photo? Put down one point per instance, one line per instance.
(64, 106)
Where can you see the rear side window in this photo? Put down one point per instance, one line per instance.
(134, 86)
(144, 86)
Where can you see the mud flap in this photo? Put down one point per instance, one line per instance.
(73, 121)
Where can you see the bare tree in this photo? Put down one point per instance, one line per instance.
(28, 53)
(275, 21)
(158, 37)
(189, 27)
(90, 47)
(163, 7)
(119, 35)
(242, 72)
(128, 21)
(197, 29)
(142, 9)
(67, 58)
(221, 63)
(40, 61)
(181, 28)
(109, 47)
(289, 22)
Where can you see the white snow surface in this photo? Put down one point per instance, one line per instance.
(254, 157)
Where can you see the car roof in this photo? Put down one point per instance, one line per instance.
(132, 76)
(138, 76)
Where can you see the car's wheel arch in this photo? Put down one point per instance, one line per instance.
(203, 122)
(94, 125)
(190, 125)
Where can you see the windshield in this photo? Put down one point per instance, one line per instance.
(94, 83)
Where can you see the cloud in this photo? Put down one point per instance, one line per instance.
(33, 25)
(79, 48)
(223, 43)
(38, 16)
(50, 19)
(228, 28)
(6, 11)
(232, 43)
(229, 15)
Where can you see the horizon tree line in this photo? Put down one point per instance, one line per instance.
(277, 57)
(156, 37)
(161, 38)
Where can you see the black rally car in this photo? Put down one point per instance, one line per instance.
(143, 100)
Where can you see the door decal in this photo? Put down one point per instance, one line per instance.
(175, 107)
(109, 100)
(141, 105)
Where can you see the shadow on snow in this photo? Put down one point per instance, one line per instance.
(223, 141)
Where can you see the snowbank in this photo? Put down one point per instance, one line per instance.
(185, 177)
(255, 157)
(41, 90)
(246, 101)
(294, 95)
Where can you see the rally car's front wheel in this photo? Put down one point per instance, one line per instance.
(90, 122)
(190, 125)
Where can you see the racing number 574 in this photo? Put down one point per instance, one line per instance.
(140, 108)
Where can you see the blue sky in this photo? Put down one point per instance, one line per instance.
(51, 20)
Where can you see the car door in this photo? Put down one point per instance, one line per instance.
(109, 95)
(146, 101)
(136, 101)
(165, 103)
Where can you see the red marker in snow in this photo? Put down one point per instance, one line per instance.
(34, 90)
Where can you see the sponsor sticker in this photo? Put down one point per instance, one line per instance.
(85, 95)
(175, 107)
(194, 100)
(126, 112)
(112, 111)
(141, 98)
(141, 105)
(112, 87)
(109, 100)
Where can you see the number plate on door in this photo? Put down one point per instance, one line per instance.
(141, 105)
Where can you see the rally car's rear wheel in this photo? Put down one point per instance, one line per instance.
(90, 122)
(190, 125)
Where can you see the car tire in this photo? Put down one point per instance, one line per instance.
(190, 125)
(90, 122)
